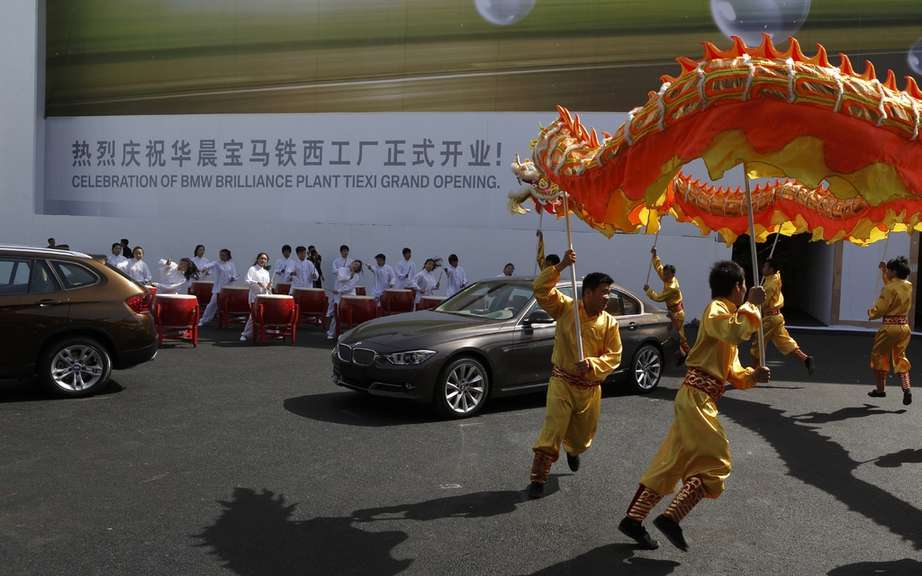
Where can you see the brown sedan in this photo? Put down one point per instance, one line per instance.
(70, 319)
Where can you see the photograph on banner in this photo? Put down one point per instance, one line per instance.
(121, 57)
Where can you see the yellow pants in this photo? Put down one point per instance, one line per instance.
(571, 417)
(678, 322)
(695, 446)
(777, 334)
(889, 349)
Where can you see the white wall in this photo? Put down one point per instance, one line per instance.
(819, 264)
(861, 277)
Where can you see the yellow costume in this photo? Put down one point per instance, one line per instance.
(696, 450)
(773, 320)
(572, 402)
(892, 339)
(672, 296)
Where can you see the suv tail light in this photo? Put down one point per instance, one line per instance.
(139, 303)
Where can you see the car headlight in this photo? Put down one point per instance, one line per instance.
(409, 358)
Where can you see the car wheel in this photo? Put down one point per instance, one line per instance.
(76, 367)
(646, 368)
(462, 388)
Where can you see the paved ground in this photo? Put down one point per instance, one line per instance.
(230, 460)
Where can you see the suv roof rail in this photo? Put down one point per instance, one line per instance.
(37, 250)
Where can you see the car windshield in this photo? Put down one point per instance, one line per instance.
(491, 300)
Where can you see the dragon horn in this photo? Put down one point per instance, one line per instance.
(912, 88)
(686, 63)
(821, 58)
(768, 47)
(796, 53)
(845, 65)
(891, 80)
(869, 72)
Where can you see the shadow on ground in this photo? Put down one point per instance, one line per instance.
(820, 462)
(31, 390)
(611, 559)
(905, 567)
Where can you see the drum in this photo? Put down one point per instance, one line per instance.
(202, 289)
(396, 301)
(429, 302)
(176, 316)
(282, 288)
(233, 305)
(312, 305)
(274, 315)
(353, 310)
(360, 291)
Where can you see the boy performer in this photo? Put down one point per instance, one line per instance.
(384, 274)
(672, 296)
(282, 267)
(302, 274)
(892, 339)
(574, 391)
(346, 281)
(406, 270)
(696, 449)
(116, 259)
(773, 320)
(457, 279)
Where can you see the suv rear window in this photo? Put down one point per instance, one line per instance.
(74, 275)
(43, 281)
(14, 277)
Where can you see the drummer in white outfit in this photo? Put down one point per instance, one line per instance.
(282, 267)
(116, 259)
(260, 282)
(385, 277)
(346, 281)
(425, 282)
(176, 277)
(457, 279)
(343, 261)
(302, 274)
(406, 270)
(224, 271)
(201, 263)
(136, 268)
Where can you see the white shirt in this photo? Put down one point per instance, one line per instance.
(457, 280)
(172, 281)
(257, 275)
(281, 268)
(138, 271)
(202, 264)
(384, 278)
(424, 282)
(303, 275)
(406, 273)
(340, 262)
(345, 283)
(224, 274)
(115, 260)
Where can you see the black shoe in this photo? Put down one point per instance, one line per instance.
(636, 532)
(535, 490)
(573, 461)
(877, 394)
(810, 364)
(672, 531)
(907, 397)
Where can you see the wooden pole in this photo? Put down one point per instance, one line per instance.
(650, 267)
(576, 322)
(755, 259)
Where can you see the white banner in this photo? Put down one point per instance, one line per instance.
(394, 168)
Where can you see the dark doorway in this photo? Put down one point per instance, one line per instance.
(806, 274)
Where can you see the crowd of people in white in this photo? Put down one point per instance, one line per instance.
(303, 270)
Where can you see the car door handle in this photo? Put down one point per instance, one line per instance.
(632, 326)
(47, 303)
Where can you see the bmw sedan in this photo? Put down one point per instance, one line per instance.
(490, 340)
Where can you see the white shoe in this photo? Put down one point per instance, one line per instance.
(243, 338)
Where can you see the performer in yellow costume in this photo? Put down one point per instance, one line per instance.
(574, 391)
(892, 339)
(672, 296)
(773, 319)
(696, 450)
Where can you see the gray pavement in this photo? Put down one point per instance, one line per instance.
(240, 460)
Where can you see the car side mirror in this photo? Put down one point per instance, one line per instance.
(538, 316)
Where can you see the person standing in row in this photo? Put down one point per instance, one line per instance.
(672, 297)
(346, 281)
(406, 270)
(202, 263)
(339, 263)
(259, 282)
(176, 277)
(424, 283)
(224, 271)
(115, 259)
(52, 243)
(136, 268)
(696, 450)
(126, 250)
(457, 279)
(317, 260)
(508, 270)
(384, 274)
(773, 319)
(282, 266)
(574, 392)
(303, 274)
(892, 340)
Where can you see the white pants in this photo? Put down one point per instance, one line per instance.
(331, 332)
(248, 329)
(211, 310)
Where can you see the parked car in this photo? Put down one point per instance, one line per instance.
(490, 340)
(70, 319)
